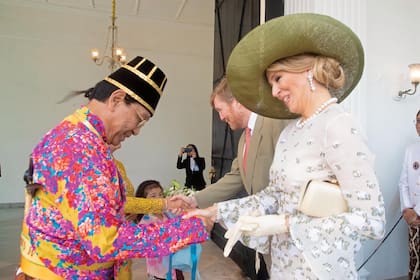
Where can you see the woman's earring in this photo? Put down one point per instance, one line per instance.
(311, 81)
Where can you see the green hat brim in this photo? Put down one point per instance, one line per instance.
(288, 36)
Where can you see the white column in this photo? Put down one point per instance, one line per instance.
(262, 11)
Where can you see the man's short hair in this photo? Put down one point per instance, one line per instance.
(223, 91)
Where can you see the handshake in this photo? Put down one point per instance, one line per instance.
(186, 205)
(180, 201)
(246, 225)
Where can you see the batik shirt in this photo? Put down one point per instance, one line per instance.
(328, 147)
(76, 221)
(155, 266)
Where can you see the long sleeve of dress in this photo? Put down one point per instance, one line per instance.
(328, 244)
(330, 148)
(137, 205)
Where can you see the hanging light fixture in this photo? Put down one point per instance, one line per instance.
(117, 57)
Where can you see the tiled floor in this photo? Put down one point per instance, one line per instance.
(212, 264)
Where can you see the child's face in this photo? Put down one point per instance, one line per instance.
(155, 193)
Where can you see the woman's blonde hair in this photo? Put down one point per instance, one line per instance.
(326, 70)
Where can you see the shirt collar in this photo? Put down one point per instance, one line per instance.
(95, 121)
(251, 122)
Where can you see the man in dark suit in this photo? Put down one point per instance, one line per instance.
(194, 166)
(264, 135)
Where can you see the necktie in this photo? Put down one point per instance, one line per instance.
(247, 141)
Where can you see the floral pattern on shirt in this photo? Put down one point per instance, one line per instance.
(156, 266)
(76, 222)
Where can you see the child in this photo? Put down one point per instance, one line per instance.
(156, 269)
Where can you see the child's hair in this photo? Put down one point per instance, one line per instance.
(146, 186)
(142, 191)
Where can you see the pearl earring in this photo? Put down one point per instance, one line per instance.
(311, 81)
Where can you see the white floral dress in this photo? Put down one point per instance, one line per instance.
(327, 147)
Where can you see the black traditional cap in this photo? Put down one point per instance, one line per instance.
(142, 80)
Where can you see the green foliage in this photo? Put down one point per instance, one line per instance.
(176, 188)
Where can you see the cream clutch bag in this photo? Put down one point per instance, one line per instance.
(321, 199)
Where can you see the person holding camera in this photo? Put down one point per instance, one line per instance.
(194, 166)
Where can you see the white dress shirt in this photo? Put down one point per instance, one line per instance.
(410, 179)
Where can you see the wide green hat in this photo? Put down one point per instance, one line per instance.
(288, 36)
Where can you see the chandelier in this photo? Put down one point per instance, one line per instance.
(116, 56)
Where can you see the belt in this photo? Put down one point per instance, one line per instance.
(36, 271)
(31, 264)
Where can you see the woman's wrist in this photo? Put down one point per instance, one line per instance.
(214, 213)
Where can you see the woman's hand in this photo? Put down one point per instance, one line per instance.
(262, 225)
(255, 226)
(210, 212)
(208, 223)
(208, 216)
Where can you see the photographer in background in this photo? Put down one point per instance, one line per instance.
(194, 166)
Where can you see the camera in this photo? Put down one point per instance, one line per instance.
(187, 150)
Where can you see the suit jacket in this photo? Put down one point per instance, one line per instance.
(193, 178)
(409, 184)
(260, 155)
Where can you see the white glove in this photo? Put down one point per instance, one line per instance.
(255, 226)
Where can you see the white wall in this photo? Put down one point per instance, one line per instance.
(45, 54)
(392, 43)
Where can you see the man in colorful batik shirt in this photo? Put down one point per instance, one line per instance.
(74, 227)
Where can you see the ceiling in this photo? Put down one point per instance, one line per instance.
(180, 11)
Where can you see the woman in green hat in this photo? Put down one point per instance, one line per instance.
(301, 66)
